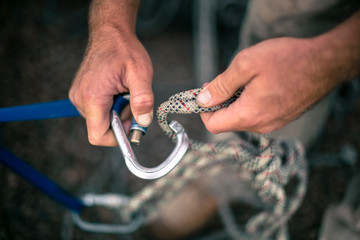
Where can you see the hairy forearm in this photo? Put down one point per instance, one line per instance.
(339, 51)
(115, 62)
(113, 14)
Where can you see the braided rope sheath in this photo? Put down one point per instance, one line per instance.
(270, 162)
(185, 103)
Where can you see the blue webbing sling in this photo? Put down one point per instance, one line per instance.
(37, 111)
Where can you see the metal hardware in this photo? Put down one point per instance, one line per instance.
(112, 201)
(136, 132)
(182, 142)
(135, 136)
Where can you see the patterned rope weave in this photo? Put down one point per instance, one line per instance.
(268, 163)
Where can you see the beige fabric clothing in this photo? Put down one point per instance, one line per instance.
(296, 18)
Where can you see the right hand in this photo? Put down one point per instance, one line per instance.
(283, 78)
(115, 62)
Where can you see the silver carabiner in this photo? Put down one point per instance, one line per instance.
(111, 201)
(182, 143)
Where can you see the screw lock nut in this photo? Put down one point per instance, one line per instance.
(135, 136)
(136, 132)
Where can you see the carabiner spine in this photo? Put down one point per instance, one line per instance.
(182, 142)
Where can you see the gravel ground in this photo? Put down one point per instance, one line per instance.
(40, 50)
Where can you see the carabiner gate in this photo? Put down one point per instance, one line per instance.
(182, 143)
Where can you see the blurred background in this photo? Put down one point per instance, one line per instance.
(41, 46)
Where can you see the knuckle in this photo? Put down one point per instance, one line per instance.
(221, 87)
(212, 129)
(265, 130)
(74, 98)
(247, 120)
(90, 98)
(249, 123)
(243, 61)
(94, 140)
(87, 98)
(210, 126)
(143, 100)
(148, 69)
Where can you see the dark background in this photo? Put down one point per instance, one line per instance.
(41, 47)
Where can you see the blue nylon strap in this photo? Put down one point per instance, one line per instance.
(119, 104)
(47, 110)
(42, 182)
(55, 109)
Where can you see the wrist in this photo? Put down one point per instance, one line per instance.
(338, 50)
(110, 33)
(113, 16)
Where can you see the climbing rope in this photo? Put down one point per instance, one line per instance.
(269, 164)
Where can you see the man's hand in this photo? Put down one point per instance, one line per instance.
(115, 62)
(281, 82)
(283, 77)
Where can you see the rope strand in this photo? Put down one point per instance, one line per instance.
(270, 162)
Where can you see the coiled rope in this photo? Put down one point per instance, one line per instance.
(267, 163)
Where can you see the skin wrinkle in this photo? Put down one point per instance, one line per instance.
(314, 88)
(294, 89)
(111, 65)
(224, 90)
(135, 97)
(281, 82)
(100, 11)
(108, 60)
(132, 63)
(123, 73)
(119, 82)
(245, 65)
(264, 117)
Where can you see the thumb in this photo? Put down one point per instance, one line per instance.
(221, 88)
(142, 102)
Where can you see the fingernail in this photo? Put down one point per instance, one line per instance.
(204, 98)
(144, 119)
(205, 84)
